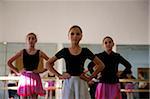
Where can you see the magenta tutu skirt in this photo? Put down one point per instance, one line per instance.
(108, 91)
(129, 86)
(49, 84)
(29, 84)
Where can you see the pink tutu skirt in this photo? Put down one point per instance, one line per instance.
(49, 84)
(108, 91)
(129, 86)
(29, 84)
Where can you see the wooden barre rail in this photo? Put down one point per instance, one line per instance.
(5, 78)
(135, 90)
(9, 78)
(15, 88)
(133, 80)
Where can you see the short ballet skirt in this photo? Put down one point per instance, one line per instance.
(129, 86)
(29, 84)
(49, 84)
(108, 91)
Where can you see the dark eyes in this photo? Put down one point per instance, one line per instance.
(108, 42)
(75, 33)
(31, 38)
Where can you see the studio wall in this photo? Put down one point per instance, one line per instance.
(125, 20)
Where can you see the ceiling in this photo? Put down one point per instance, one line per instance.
(73, 0)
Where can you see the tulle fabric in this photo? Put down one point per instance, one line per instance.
(29, 84)
(129, 86)
(108, 91)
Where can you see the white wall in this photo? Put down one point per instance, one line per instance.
(149, 30)
(149, 20)
(125, 20)
(1, 14)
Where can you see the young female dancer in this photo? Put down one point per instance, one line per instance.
(75, 82)
(108, 87)
(30, 82)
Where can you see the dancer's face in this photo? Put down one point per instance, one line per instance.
(75, 35)
(31, 40)
(108, 44)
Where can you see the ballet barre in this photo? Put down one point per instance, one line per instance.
(53, 78)
(6, 78)
(15, 88)
(133, 80)
(135, 90)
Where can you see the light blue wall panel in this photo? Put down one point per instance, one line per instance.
(137, 55)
